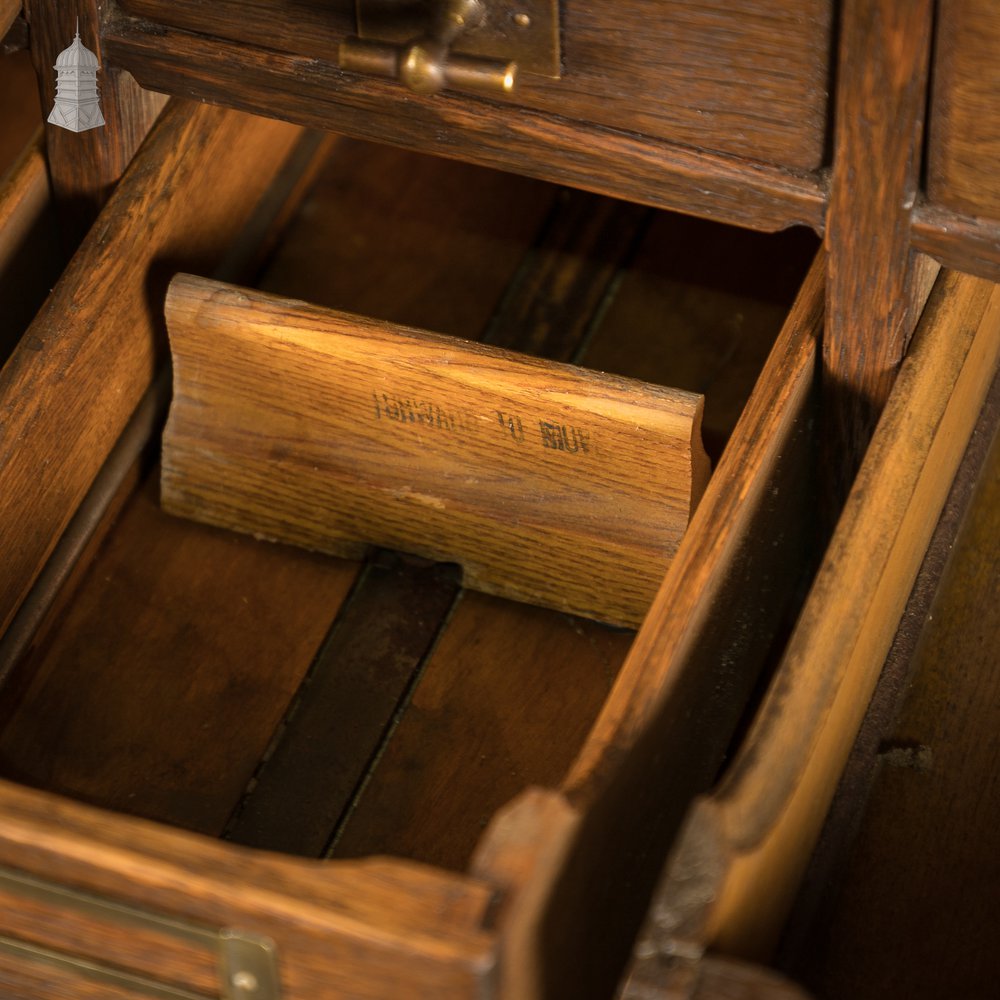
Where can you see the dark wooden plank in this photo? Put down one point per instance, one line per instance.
(345, 706)
(910, 852)
(965, 110)
(697, 72)
(504, 703)
(408, 239)
(554, 301)
(699, 308)
(85, 166)
(548, 146)
(126, 709)
(881, 93)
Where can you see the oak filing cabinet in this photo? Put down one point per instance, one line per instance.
(715, 745)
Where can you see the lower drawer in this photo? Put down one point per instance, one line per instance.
(356, 775)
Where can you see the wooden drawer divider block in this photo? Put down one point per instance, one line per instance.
(548, 483)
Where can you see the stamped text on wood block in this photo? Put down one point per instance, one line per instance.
(547, 483)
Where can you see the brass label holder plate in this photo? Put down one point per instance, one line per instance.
(247, 963)
(521, 31)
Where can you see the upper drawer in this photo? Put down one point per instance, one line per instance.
(965, 113)
(744, 77)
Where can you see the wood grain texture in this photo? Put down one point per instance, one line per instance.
(811, 944)
(744, 847)
(348, 929)
(97, 333)
(924, 865)
(349, 702)
(197, 621)
(697, 73)
(556, 303)
(965, 109)
(881, 86)
(503, 682)
(436, 211)
(607, 161)
(384, 633)
(85, 166)
(960, 242)
(675, 703)
(548, 484)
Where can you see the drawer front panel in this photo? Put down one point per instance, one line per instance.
(745, 77)
(965, 111)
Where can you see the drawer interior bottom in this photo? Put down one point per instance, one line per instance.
(330, 707)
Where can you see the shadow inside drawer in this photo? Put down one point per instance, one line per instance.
(342, 708)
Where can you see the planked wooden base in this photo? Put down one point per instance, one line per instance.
(549, 484)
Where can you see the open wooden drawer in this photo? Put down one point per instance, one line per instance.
(539, 897)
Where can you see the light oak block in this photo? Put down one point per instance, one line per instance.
(548, 484)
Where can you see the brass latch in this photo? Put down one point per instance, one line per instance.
(247, 963)
(478, 45)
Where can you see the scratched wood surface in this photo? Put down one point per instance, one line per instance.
(697, 73)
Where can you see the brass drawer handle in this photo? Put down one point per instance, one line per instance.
(426, 64)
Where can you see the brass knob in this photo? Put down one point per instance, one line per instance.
(426, 64)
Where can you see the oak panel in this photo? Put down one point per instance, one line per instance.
(747, 77)
(965, 109)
